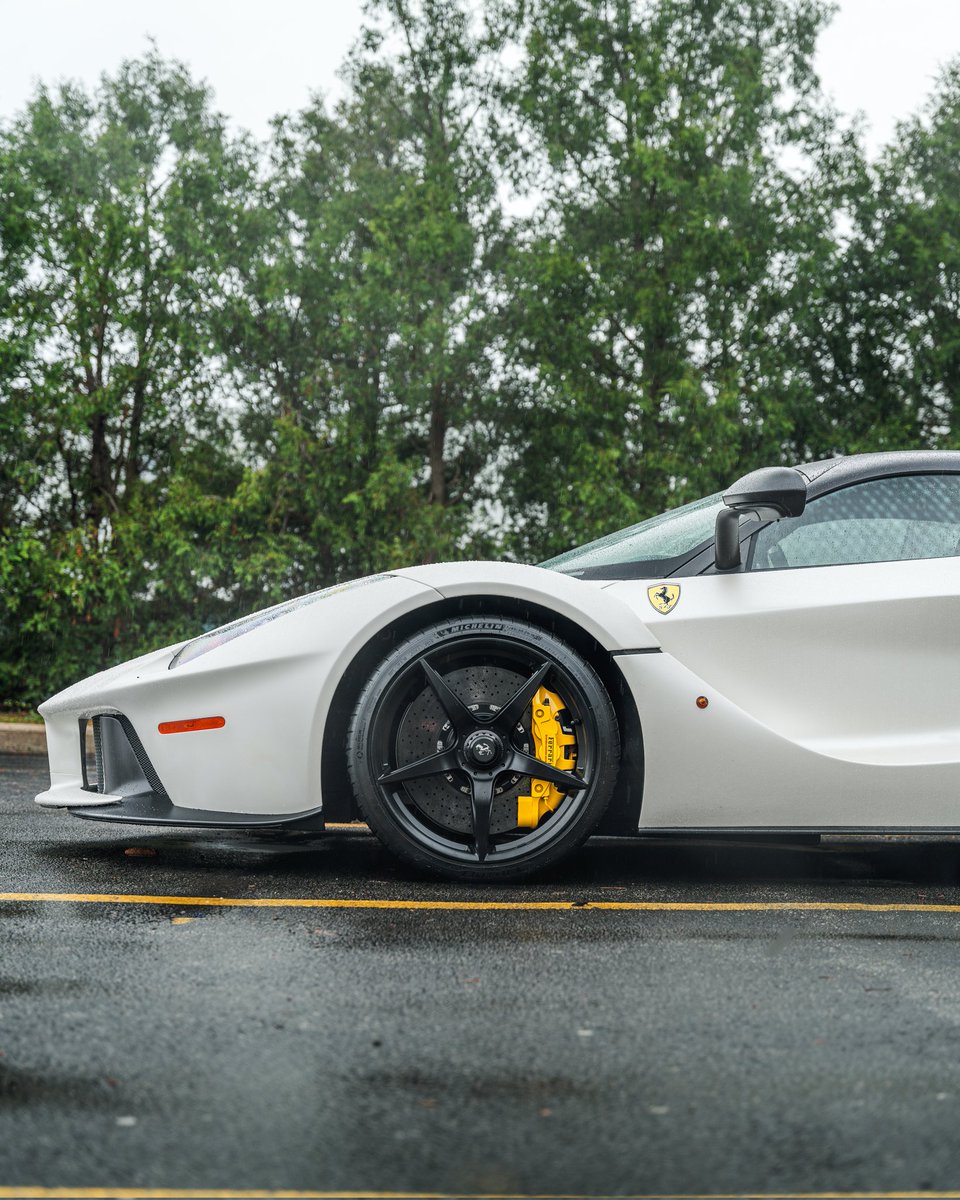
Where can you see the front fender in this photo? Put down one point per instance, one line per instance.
(600, 613)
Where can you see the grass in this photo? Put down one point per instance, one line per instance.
(20, 716)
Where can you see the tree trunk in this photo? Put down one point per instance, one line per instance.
(438, 433)
(101, 485)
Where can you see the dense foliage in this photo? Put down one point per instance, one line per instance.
(548, 267)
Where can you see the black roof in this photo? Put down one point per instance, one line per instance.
(831, 473)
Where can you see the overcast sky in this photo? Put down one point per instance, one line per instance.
(262, 58)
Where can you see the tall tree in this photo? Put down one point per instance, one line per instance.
(889, 335)
(124, 203)
(363, 324)
(688, 170)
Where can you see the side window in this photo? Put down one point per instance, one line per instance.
(885, 520)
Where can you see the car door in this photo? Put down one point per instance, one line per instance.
(835, 651)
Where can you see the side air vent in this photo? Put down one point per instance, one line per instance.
(121, 765)
(98, 752)
(91, 754)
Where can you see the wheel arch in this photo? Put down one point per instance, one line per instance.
(622, 816)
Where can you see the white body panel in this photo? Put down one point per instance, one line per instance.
(834, 698)
(834, 693)
(274, 686)
(603, 614)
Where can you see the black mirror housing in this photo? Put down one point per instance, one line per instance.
(771, 490)
(771, 493)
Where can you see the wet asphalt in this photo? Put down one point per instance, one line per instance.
(524, 1052)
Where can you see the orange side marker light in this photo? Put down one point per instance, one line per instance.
(192, 726)
(702, 702)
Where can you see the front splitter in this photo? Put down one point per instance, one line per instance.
(147, 808)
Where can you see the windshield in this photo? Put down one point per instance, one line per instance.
(660, 543)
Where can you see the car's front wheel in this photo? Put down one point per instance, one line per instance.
(483, 748)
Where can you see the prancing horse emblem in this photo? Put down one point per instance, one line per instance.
(664, 596)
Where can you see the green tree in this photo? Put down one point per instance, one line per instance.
(230, 374)
(888, 334)
(114, 246)
(690, 175)
(362, 326)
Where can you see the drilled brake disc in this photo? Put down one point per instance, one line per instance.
(424, 729)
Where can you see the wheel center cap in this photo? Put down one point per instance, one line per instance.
(483, 747)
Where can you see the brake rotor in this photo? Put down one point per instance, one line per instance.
(424, 729)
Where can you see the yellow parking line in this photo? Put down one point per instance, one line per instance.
(479, 905)
(57, 1193)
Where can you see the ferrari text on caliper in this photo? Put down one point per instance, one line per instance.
(552, 745)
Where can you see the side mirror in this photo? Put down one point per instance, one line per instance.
(771, 493)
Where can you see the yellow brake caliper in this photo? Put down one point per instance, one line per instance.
(553, 745)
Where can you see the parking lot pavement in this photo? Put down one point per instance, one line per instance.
(680, 1044)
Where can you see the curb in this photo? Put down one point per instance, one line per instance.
(24, 737)
(20, 737)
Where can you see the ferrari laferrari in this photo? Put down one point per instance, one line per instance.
(781, 657)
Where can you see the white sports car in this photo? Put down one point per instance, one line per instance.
(784, 657)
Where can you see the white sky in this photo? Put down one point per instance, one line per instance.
(264, 57)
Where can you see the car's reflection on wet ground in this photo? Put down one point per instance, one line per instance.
(679, 867)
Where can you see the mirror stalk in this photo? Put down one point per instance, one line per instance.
(728, 540)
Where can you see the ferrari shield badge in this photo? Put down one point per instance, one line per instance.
(664, 596)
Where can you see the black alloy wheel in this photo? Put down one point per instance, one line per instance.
(442, 749)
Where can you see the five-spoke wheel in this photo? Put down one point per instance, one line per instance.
(483, 748)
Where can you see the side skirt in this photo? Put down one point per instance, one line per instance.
(147, 808)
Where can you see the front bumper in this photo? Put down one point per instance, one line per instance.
(270, 692)
(120, 767)
(259, 760)
(120, 784)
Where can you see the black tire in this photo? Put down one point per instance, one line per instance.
(440, 738)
